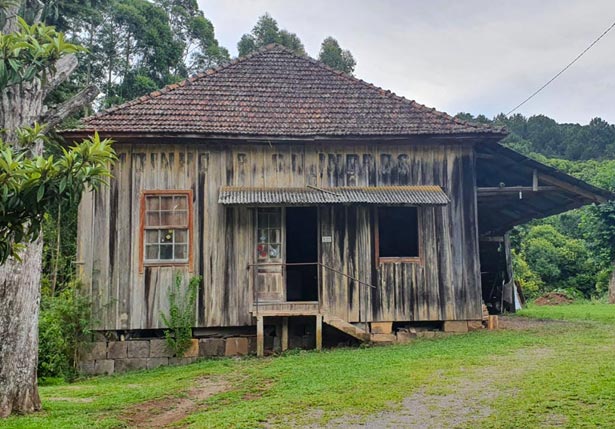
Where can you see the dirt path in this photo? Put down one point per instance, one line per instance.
(164, 412)
(459, 402)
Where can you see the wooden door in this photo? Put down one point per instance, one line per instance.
(270, 255)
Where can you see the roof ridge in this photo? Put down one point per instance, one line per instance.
(377, 91)
(390, 94)
(190, 79)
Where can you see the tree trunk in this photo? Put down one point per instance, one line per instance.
(19, 305)
(20, 281)
(612, 286)
(22, 105)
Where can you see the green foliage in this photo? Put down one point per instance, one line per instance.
(265, 32)
(30, 52)
(134, 46)
(541, 365)
(30, 185)
(332, 55)
(181, 317)
(64, 323)
(548, 259)
(587, 233)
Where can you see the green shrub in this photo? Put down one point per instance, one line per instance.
(181, 315)
(63, 330)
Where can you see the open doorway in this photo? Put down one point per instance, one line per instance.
(301, 247)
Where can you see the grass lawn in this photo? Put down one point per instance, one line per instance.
(550, 375)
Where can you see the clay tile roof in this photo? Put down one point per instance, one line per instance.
(274, 92)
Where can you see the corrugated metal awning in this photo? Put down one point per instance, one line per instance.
(384, 195)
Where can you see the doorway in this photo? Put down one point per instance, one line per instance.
(301, 247)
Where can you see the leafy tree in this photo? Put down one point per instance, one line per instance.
(265, 32)
(332, 55)
(34, 60)
(195, 33)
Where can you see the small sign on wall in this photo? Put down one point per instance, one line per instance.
(327, 239)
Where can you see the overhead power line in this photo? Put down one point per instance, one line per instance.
(563, 70)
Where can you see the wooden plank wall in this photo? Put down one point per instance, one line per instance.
(445, 287)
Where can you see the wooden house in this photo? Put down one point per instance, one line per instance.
(301, 193)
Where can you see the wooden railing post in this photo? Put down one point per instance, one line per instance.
(284, 334)
(260, 336)
(319, 332)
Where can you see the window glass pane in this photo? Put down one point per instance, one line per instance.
(262, 236)
(181, 202)
(262, 220)
(152, 203)
(152, 219)
(166, 203)
(151, 236)
(166, 236)
(274, 236)
(166, 251)
(261, 252)
(275, 219)
(181, 251)
(151, 252)
(274, 251)
(166, 218)
(181, 236)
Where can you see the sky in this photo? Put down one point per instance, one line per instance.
(476, 56)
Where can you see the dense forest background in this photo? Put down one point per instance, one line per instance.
(572, 252)
(137, 46)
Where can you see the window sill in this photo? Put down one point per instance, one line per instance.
(165, 264)
(396, 260)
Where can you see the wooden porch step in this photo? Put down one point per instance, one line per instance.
(347, 328)
(284, 309)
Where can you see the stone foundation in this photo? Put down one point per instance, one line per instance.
(109, 357)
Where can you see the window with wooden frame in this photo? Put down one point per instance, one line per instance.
(269, 234)
(397, 234)
(166, 228)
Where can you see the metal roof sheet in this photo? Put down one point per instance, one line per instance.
(384, 195)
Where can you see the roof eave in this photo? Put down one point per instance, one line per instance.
(481, 136)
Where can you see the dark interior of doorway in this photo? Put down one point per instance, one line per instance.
(301, 247)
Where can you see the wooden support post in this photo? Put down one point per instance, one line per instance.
(492, 322)
(260, 336)
(319, 332)
(284, 333)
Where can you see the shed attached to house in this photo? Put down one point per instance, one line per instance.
(298, 191)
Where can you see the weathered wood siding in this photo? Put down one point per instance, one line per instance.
(446, 286)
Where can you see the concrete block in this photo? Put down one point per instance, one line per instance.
(93, 351)
(405, 336)
(211, 347)
(193, 351)
(130, 364)
(426, 334)
(382, 327)
(237, 346)
(475, 325)
(456, 326)
(137, 349)
(156, 362)
(158, 349)
(383, 338)
(87, 367)
(104, 366)
(180, 361)
(116, 350)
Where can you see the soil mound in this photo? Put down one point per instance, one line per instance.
(553, 298)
